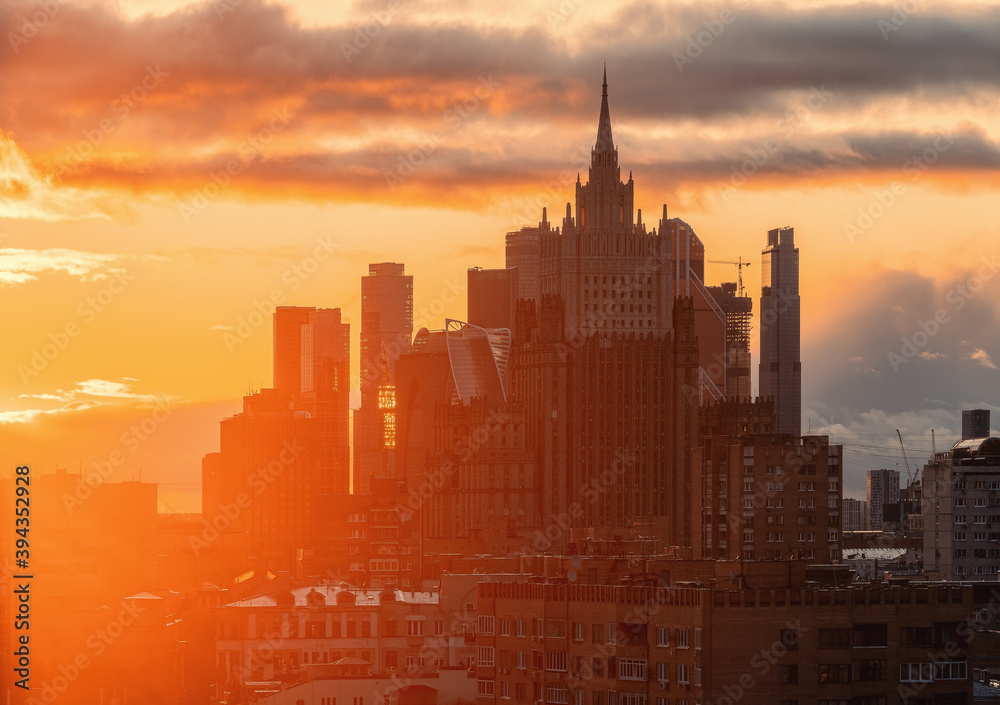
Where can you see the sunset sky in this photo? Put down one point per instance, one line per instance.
(421, 132)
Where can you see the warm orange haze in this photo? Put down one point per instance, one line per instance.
(325, 321)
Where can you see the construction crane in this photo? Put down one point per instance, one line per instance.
(739, 264)
(909, 474)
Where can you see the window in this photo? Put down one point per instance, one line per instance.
(486, 624)
(597, 633)
(504, 627)
(612, 633)
(414, 627)
(505, 690)
(950, 671)
(555, 661)
(916, 636)
(556, 694)
(597, 665)
(519, 661)
(697, 637)
(577, 631)
(486, 686)
(697, 674)
(661, 673)
(632, 699)
(663, 636)
(788, 674)
(632, 669)
(870, 635)
(870, 670)
(519, 627)
(683, 673)
(682, 638)
(439, 627)
(834, 673)
(486, 656)
(520, 692)
(916, 672)
(555, 628)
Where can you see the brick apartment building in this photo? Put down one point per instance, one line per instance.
(622, 645)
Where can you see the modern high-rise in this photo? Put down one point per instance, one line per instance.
(975, 423)
(780, 362)
(883, 493)
(493, 297)
(855, 513)
(386, 334)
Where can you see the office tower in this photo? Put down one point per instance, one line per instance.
(975, 423)
(445, 367)
(265, 479)
(780, 364)
(386, 334)
(961, 515)
(855, 514)
(883, 498)
(768, 496)
(312, 369)
(738, 310)
(522, 248)
(493, 297)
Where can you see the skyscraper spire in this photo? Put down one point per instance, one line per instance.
(605, 144)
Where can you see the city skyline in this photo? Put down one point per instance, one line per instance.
(94, 392)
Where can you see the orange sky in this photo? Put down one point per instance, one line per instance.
(165, 165)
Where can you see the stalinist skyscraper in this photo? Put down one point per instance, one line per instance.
(606, 361)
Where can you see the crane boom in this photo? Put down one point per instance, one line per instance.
(739, 264)
(909, 473)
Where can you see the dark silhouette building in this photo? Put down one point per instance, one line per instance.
(780, 361)
(493, 297)
(386, 334)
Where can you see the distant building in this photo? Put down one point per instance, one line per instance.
(883, 499)
(739, 313)
(386, 335)
(780, 361)
(523, 254)
(855, 514)
(312, 368)
(975, 423)
(493, 297)
(767, 497)
(961, 521)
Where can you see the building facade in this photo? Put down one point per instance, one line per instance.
(769, 497)
(600, 645)
(961, 511)
(883, 499)
(780, 356)
(386, 334)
